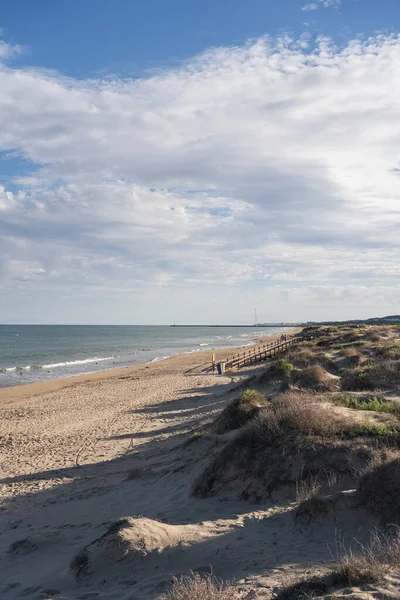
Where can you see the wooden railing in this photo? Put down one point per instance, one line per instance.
(258, 353)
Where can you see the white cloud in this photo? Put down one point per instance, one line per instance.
(247, 172)
(321, 3)
(8, 51)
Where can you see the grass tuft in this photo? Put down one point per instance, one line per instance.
(240, 411)
(369, 563)
(312, 508)
(195, 587)
(307, 488)
(352, 354)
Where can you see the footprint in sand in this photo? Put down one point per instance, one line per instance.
(30, 590)
(11, 586)
(22, 547)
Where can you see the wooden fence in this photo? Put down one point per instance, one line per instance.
(257, 354)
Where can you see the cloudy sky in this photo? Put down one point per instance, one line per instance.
(176, 163)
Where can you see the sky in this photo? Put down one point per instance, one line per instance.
(188, 162)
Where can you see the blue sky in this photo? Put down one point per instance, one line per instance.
(82, 39)
(168, 161)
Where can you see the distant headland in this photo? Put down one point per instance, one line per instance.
(392, 319)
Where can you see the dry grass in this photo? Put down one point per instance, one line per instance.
(377, 375)
(296, 429)
(306, 489)
(299, 431)
(311, 503)
(240, 411)
(369, 563)
(373, 336)
(312, 508)
(309, 487)
(302, 357)
(358, 566)
(315, 378)
(346, 336)
(295, 413)
(379, 490)
(352, 354)
(389, 351)
(196, 587)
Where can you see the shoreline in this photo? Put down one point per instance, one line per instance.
(52, 385)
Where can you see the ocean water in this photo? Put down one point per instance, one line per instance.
(30, 353)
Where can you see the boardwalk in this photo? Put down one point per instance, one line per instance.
(258, 353)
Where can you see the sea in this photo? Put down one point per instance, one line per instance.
(34, 353)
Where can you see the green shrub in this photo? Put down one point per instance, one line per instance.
(374, 403)
(250, 396)
(240, 411)
(351, 344)
(368, 429)
(284, 368)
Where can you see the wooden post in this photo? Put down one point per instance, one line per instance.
(213, 362)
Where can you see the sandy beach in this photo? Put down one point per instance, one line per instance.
(68, 446)
(98, 488)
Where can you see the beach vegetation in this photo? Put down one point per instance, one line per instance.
(370, 403)
(295, 429)
(315, 377)
(197, 587)
(240, 411)
(355, 566)
(373, 375)
(352, 354)
(368, 563)
(284, 368)
(379, 489)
